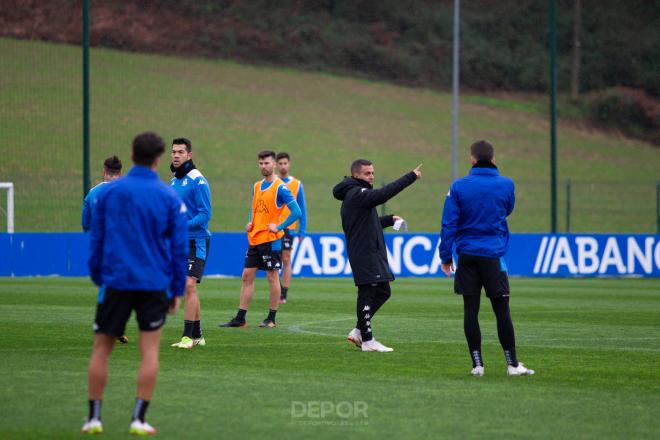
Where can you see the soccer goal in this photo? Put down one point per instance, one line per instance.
(9, 186)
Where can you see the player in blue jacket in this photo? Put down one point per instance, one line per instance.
(474, 226)
(194, 190)
(138, 255)
(111, 171)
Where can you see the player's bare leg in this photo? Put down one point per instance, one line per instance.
(149, 348)
(97, 377)
(247, 291)
(146, 381)
(274, 290)
(98, 365)
(285, 280)
(247, 287)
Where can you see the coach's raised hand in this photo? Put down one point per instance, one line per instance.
(418, 171)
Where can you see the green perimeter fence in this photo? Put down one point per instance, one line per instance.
(233, 111)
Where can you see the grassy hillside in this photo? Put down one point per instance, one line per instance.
(231, 111)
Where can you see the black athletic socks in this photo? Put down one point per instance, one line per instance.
(188, 328)
(240, 316)
(271, 315)
(284, 291)
(197, 329)
(94, 410)
(140, 410)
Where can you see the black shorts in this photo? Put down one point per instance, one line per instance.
(287, 240)
(199, 249)
(262, 256)
(115, 306)
(473, 273)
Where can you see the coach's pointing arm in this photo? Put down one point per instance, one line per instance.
(375, 197)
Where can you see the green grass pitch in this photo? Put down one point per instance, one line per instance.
(595, 345)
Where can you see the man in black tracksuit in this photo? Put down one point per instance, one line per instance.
(366, 245)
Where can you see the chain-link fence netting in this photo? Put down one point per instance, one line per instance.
(150, 76)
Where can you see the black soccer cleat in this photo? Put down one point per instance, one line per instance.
(123, 339)
(234, 323)
(268, 323)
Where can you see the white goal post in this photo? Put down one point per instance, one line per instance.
(9, 186)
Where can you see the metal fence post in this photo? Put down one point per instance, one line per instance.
(657, 207)
(85, 109)
(568, 205)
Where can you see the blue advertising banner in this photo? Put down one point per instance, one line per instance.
(324, 255)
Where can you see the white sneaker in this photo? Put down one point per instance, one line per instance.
(140, 428)
(478, 371)
(355, 337)
(93, 426)
(374, 345)
(199, 341)
(185, 342)
(520, 370)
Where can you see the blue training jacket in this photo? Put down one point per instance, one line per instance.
(474, 216)
(88, 206)
(139, 237)
(194, 190)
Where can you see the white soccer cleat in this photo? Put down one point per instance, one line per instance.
(520, 370)
(199, 341)
(477, 371)
(374, 345)
(185, 342)
(141, 428)
(355, 337)
(93, 426)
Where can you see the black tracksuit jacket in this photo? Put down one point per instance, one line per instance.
(364, 229)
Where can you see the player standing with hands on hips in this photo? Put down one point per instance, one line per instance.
(366, 244)
(265, 230)
(474, 222)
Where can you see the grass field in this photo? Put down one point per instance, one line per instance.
(231, 111)
(595, 345)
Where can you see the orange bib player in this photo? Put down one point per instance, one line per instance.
(264, 230)
(296, 187)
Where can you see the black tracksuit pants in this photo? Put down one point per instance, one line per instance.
(370, 298)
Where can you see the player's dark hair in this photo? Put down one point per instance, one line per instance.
(357, 164)
(482, 150)
(266, 153)
(147, 147)
(183, 141)
(282, 155)
(112, 165)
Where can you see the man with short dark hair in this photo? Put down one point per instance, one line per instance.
(366, 244)
(111, 171)
(296, 187)
(474, 223)
(138, 255)
(194, 190)
(264, 230)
